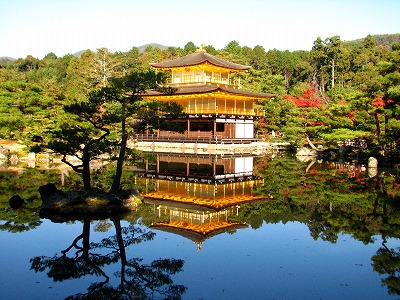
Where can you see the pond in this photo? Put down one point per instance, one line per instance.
(210, 227)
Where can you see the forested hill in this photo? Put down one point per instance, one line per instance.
(6, 59)
(385, 40)
(153, 45)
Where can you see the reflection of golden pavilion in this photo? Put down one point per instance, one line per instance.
(210, 181)
(196, 195)
(214, 196)
(194, 222)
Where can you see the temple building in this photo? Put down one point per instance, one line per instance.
(217, 110)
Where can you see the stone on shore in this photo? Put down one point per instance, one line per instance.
(372, 162)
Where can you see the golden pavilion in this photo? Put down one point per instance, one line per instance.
(217, 110)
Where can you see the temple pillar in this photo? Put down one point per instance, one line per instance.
(215, 129)
(188, 127)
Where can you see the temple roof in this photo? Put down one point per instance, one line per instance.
(209, 88)
(197, 58)
(198, 234)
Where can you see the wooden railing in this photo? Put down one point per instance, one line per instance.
(194, 134)
(192, 139)
(190, 80)
(202, 178)
(220, 111)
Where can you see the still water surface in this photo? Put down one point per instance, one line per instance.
(303, 241)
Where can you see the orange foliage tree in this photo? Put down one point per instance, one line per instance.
(309, 98)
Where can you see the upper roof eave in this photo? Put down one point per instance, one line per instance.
(198, 58)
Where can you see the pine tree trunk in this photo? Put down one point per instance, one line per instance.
(386, 123)
(121, 157)
(120, 163)
(86, 173)
(377, 125)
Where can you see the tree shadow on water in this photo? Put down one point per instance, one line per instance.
(137, 280)
(386, 262)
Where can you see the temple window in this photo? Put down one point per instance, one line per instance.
(220, 127)
(208, 76)
(203, 126)
(224, 78)
(176, 77)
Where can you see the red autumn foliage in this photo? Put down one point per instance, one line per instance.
(352, 115)
(378, 101)
(317, 123)
(262, 123)
(309, 98)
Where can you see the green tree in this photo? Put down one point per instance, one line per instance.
(389, 69)
(258, 81)
(235, 51)
(127, 62)
(83, 134)
(103, 67)
(151, 55)
(25, 110)
(282, 63)
(189, 48)
(257, 58)
(175, 52)
(302, 70)
(210, 49)
(318, 58)
(30, 63)
(126, 94)
(333, 48)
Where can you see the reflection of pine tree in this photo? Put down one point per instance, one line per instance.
(137, 280)
(387, 262)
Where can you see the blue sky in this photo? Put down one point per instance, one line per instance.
(37, 27)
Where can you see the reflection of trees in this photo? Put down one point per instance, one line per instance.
(387, 262)
(330, 202)
(25, 184)
(137, 279)
(319, 226)
(20, 220)
(328, 198)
